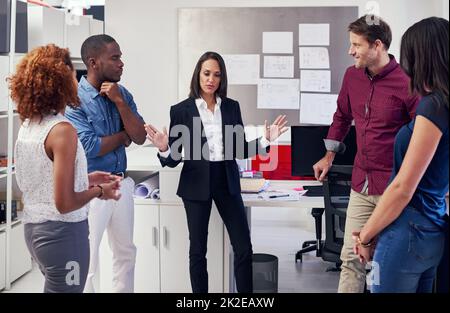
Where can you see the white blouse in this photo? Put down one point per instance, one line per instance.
(34, 173)
(212, 123)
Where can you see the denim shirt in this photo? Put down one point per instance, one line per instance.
(98, 117)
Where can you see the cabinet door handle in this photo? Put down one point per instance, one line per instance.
(155, 236)
(165, 236)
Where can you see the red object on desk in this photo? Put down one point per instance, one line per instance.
(277, 165)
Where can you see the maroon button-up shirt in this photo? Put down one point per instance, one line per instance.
(379, 106)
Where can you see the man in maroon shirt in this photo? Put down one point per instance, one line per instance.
(374, 94)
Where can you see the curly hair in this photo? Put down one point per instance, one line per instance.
(43, 83)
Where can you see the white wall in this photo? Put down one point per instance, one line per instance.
(147, 33)
(445, 9)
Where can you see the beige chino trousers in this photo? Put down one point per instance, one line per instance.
(353, 272)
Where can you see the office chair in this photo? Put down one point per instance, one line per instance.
(313, 245)
(336, 193)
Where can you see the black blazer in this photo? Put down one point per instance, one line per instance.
(194, 180)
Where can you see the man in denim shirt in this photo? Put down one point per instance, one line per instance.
(107, 121)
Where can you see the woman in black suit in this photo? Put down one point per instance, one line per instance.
(209, 127)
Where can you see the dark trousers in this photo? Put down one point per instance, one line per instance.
(232, 211)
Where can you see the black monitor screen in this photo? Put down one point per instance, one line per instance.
(307, 147)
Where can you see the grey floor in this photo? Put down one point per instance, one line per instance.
(280, 239)
(31, 282)
(283, 241)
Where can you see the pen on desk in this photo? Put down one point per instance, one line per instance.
(278, 196)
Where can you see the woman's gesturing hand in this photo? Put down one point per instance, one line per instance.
(277, 128)
(158, 139)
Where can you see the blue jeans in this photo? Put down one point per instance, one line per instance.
(407, 254)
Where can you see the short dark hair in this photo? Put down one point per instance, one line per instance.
(94, 45)
(372, 28)
(424, 56)
(195, 81)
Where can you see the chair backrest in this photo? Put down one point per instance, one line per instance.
(336, 192)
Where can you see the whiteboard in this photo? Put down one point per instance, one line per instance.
(231, 31)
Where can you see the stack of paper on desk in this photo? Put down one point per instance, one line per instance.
(253, 185)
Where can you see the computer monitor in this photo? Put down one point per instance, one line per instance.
(307, 147)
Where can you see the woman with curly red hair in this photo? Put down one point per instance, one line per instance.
(51, 169)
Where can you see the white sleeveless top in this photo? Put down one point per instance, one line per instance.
(34, 173)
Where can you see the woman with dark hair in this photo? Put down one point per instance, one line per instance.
(210, 171)
(406, 232)
(51, 169)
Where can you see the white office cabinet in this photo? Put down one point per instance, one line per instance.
(45, 25)
(20, 256)
(2, 260)
(17, 59)
(146, 239)
(4, 73)
(95, 27)
(13, 251)
(77, 31)
(162, 261)
(175, 250)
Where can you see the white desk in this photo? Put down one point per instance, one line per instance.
(304, 202)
